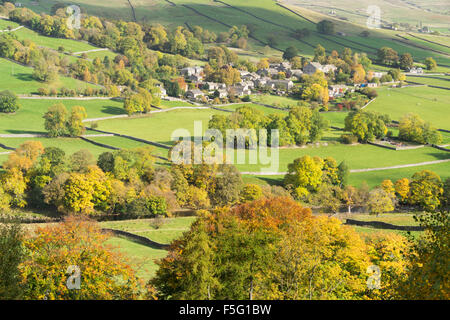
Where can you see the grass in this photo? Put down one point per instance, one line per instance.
(375, 178)
(430, 104)
(140, 257)
(357, 156)
(171, 229)
(143, 257)
(160, 126)
(69, 145)
(19, 79)
(441, 81)
(28, 119)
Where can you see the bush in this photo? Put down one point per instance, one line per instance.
(246, 98)
(349, 138)
(43, 91)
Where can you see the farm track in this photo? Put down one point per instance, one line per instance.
(12, 30)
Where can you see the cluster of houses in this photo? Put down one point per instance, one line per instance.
(263, 79)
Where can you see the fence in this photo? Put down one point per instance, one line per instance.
(143, 240)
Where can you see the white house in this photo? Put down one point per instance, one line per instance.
(313, 67)
(194, 94)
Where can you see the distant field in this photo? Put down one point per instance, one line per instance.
(440, 81)
(19, 79)
(357, 157)
(429, 103)
(28, 119)
(160, 126)
(265, 17)
(375, 178)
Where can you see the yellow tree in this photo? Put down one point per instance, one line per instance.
(24, 157)
(402, 189)
(104, 274)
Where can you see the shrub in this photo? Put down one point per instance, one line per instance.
(349, 138)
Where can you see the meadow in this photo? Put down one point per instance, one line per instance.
(19, 79)
(143, 257)
(69, 145)
(431, 104)
(29, 118)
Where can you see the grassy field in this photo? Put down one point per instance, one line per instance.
(160, 126)
(430, 104)
(265, 17)
(143, 257)
(69, 145)
(28, 119)
(140, 257)
(19, 79)
(356, 156)
(440, 81)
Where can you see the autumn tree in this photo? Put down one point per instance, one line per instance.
(425, 190)
(380, 201)
(251, 192)
(25, 156)
(402, 189)
(430, 63)
(428, 276)
(105, 274)
(56, 120)
(75, 121)
(304, 174)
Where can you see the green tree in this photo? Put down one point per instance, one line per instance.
(430, 63)
(425, 190)
(12, 253)
(8, 102)
(290, 53)
(326, 27)
(56, 120)
(406, 61)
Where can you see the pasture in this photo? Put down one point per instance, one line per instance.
(28, 119)
(19, 79)
(142, 257)
(431, 104)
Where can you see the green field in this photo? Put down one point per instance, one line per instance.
(430, 104)
(19, 79)
(69, 145)
(142, 257)
(160, 126)
(359, 156)
(265, 17)
(28, 119)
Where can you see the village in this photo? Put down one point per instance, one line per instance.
(266, 80)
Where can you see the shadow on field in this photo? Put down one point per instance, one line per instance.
(440, 156)
(113, 110)
(12, 131)
(24, 76)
